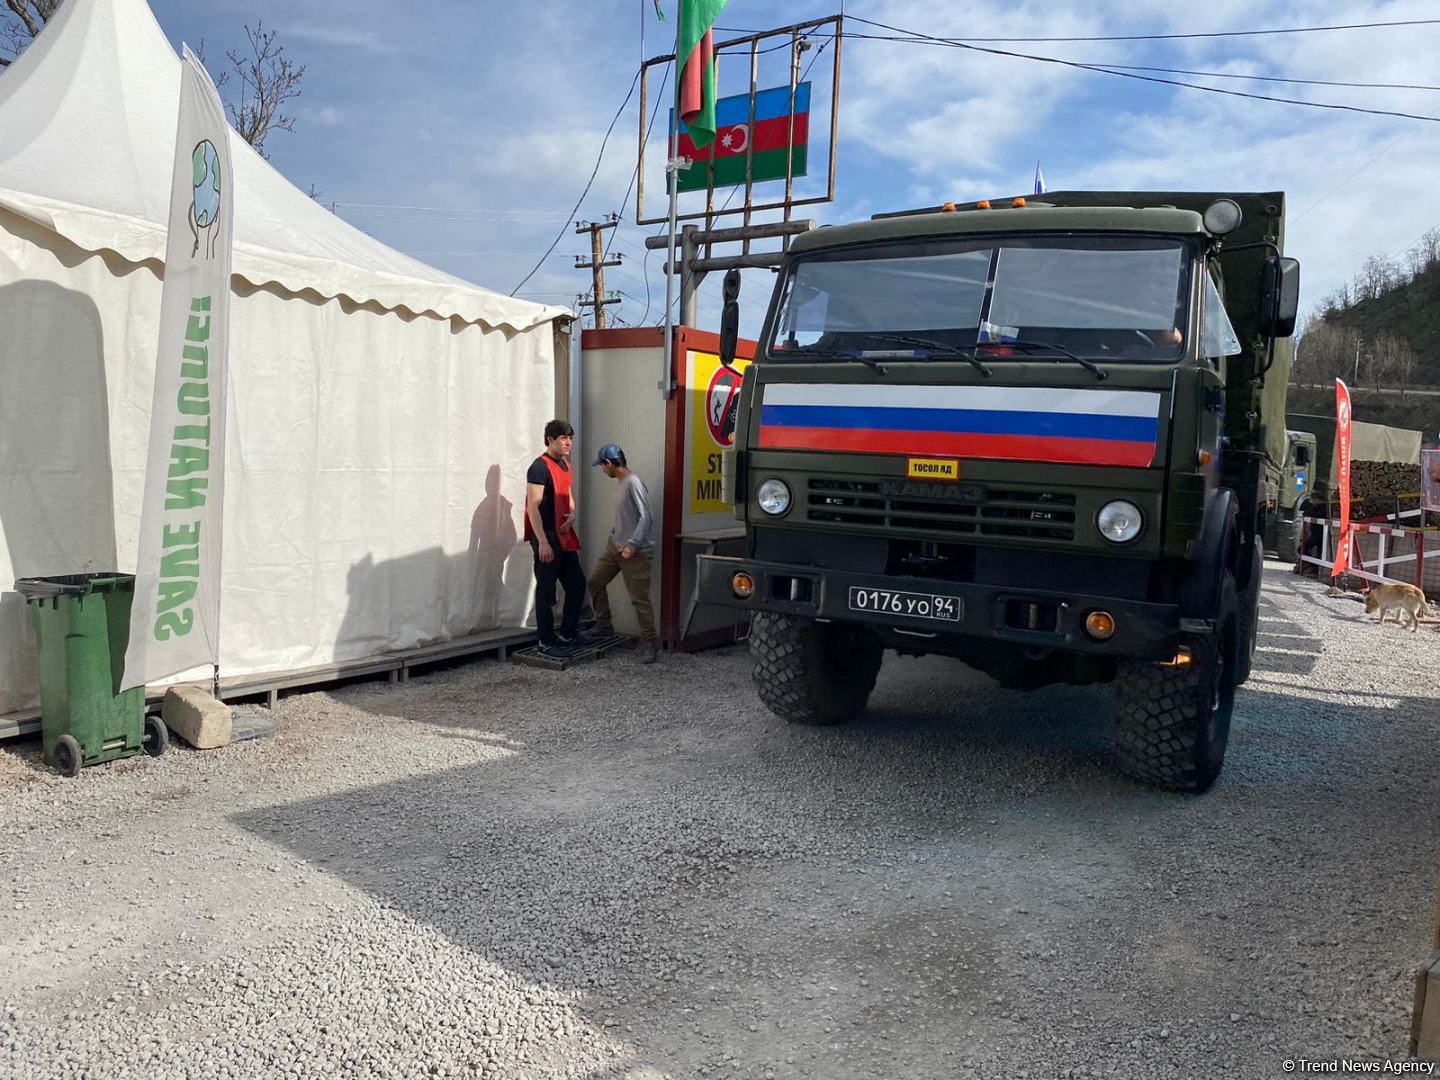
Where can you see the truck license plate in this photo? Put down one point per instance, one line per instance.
(910, 605)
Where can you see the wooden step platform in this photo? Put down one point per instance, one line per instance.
(532, 657)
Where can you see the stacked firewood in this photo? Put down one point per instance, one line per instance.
(1380, 487)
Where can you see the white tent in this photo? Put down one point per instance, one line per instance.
(382, 413)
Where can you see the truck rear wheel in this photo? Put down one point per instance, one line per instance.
(813, 673)
(1172, 723)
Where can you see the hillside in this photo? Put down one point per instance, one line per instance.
(1409, 310)
(1420, 413)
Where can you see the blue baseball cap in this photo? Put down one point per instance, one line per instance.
(611, 453)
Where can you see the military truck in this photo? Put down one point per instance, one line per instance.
(1294, 480)
(1026, 433)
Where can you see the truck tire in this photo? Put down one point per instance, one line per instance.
(1172, 723)
(1250, 618)
(813, 673)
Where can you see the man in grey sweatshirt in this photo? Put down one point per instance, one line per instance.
(629, 552)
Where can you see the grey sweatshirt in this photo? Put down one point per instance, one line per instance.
(634, 523)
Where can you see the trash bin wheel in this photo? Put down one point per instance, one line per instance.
(68, 755)
(157, 736)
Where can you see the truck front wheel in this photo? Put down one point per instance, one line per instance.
(1172, 723)
(813, 673)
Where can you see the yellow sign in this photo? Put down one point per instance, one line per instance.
(714, 400)
(929, 468)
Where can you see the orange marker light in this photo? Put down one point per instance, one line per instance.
(983, 204)
(742, 585)
(1100, 625)
(1205, 458)
(948, 206)
(1019, 201)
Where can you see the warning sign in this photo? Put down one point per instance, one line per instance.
(714, 401)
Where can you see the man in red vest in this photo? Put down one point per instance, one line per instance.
(550, 528)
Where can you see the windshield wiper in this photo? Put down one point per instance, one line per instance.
(944, 349)
(1030, 346)
(836, 354)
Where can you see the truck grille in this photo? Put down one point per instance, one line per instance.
(961, 509)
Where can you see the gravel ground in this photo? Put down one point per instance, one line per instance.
(629, 871)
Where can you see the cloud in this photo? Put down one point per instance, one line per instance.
(337, 36)
(325, 116)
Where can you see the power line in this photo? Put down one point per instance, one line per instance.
(1273, 78)
(659, 96)
(1156, 37)
(507, 215)
(1105, 70)
(907, 37)
(593, 173)
(1381, 153)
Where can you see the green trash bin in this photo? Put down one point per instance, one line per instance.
(82, 625)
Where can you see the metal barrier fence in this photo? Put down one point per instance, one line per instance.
(1382, 552)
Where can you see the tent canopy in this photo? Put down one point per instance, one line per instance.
(87, 134)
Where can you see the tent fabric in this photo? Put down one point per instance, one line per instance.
(379, 433)
(89, 117)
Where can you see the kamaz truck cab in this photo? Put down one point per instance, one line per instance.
(1295, 480)
(1028, 434)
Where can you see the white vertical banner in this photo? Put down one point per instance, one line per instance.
(175, 621)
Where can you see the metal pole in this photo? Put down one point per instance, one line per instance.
(672, 177)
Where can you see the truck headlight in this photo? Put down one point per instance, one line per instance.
(773, 495)
(1120, 521)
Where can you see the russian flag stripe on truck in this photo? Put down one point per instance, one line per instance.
(1092, 427)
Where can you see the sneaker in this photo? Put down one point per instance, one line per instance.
(579, 640)
(602, 631)
(556, 650)
(649, 652)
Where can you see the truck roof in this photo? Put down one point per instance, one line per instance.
(1035, 216)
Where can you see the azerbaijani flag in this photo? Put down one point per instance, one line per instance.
(694, 48)
(734, 139)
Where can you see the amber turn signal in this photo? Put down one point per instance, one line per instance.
(1183, 658)
(742, 585)
(1100, 625)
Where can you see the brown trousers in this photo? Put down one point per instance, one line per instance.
(636, 572)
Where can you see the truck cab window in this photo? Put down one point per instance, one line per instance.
(1111, 298)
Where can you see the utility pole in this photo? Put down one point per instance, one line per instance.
(596, 265)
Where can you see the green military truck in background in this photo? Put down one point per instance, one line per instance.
(1031, 435)
(1294, 480)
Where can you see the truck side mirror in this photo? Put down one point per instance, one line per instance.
(730, 318)
(1279, 296)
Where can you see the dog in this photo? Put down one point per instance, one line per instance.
(1398, 597)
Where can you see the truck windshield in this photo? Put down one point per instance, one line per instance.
(1106, 298)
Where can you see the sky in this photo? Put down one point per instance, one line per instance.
(465, 132)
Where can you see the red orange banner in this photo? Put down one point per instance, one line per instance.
(1342, 473)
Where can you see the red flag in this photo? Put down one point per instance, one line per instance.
(1342, 473)
(698, 66)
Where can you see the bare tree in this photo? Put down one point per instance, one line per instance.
(267, 81)
(1379, 361)
(1406, 361)
(26, 19)
(1378, 275)
(267, 77)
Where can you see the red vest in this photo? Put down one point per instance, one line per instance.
(569, 540)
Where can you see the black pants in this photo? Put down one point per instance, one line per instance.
(564, 568)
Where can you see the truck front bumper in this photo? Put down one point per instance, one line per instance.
(1041, 619)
